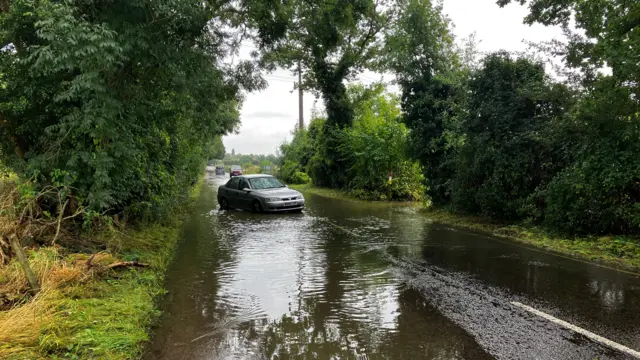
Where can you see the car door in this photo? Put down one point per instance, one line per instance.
(231, 192)
(244, 198)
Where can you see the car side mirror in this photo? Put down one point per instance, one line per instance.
(246, 190)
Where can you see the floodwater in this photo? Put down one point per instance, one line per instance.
(353, 280)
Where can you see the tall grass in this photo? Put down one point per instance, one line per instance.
(87, 313)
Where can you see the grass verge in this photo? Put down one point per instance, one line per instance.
(620, 252)
(339, 194)
(326, 192)
(89, 312)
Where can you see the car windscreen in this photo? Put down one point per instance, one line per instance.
(260, 183)
(235, 167)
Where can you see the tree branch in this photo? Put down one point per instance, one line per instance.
(126, 264)
(53, 242)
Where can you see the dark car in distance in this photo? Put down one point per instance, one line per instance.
(259, 193)
(220, 170)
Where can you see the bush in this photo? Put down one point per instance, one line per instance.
(600, 193)
(300, 178)
(377, 145)
(130, 111)
(505, 156)
(291, 173)
(367, 152)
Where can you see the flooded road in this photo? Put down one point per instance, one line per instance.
(352, 280)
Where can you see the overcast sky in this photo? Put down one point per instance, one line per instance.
(269, 116)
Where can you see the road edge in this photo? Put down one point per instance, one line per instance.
(617, 253)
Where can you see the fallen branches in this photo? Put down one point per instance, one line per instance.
(89, 261)
(120, 264)
(24, 262)
(5, 251)
(60, 214)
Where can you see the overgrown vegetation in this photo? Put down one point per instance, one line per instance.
(372, 149)
(498, 136)
(97, 301)
(121, 104)
(85, 310)
(108, 115)
(109, 112)
(502, 139)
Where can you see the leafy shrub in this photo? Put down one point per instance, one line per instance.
(300, 178)
(377, 145)
(600, 191)
(367, 152)
(130, 110)
(505, 156)
(291, 173)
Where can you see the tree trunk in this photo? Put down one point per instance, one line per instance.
(24, 262)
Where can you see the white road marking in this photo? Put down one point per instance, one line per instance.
(588, 334)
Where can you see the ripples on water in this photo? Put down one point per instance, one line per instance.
(327, 284)
(249, 286)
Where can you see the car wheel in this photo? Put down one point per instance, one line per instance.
(257, 207)
(224, 205)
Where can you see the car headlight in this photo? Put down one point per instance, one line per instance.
(272, 199)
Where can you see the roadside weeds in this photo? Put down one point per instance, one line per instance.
(85, 309)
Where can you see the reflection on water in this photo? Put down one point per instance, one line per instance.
(611, 294)
(313, 285)
(325, 284)
(599, 299)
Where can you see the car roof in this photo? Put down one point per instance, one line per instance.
(253, 176)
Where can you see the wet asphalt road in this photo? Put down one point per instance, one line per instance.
(352, 280)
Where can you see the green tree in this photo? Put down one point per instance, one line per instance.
(377, 145)
(600, 190)
(610, 36)
(216, 149)
(506, 155)
(420, 52)
(332, 41)
(118, 102)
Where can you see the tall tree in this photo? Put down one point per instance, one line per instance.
(332, 41)
(600, 191)
(116, 101)
(420, 52)
(611, 35)
(506, 155)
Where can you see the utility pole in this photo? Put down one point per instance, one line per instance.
(300, 109)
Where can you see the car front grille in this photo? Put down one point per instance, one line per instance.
(291, 198)
(290, 206)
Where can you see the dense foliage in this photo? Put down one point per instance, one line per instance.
(122, 102)
(502, 139)
(371, 149)
(507, 155)
(599, 191)
(331, 41)
(121, 105)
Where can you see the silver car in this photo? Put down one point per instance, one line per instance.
(259, 193)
